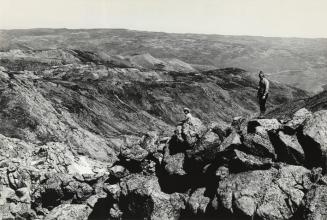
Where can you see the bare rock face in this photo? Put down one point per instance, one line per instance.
(231, 142)
(270, 194)
(144, 199)
(174, 164)
(288, 148)
(259, 144)
(298, 118)
(132, 150)
(314, 139)
(315, 203)
(205, 149)
(69, 211)
(118, 172)
(198, 202)
(242, 161)
(266, 124)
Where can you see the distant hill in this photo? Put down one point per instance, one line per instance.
(298, 62)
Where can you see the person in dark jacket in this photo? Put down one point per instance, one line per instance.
(263, 91)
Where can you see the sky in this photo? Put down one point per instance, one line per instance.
(280, 18)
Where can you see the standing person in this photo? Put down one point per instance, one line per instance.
(263, 92)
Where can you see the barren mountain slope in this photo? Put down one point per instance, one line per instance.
(118, 100)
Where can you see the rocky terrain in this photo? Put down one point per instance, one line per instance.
(87, 135)
(295, 61)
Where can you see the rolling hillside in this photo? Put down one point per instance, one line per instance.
(298, 62)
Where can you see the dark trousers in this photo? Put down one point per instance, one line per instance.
(262, 103)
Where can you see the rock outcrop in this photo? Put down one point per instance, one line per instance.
(257, 169)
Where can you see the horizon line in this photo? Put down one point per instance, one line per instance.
(156, 31)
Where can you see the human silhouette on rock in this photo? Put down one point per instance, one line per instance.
(262, 95)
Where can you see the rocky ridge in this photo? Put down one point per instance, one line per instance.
(258, 168)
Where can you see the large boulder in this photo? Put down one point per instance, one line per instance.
(242, 161)
(259, 144)
(57, 189)
(69, 212)
(174, 164)
(143, 198)
(268, 194)
(15, 204)
(288, 148)
(314, 139)
(315, 203)
(230, 143)
(205, 149)
(266, 124)
(150, 141)
(132, 149)
(297, 120)
(198, 202)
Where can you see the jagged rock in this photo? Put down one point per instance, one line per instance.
(267, 194)
(238, 123)
(209, 140)
(149, 142)
(315, 203)
(258, 143)
(18, 178)
(220, 129)
(288, 148)
(132, 150)
(174, 164)
(69, 212)
(205, 150)
(266, 124)
(62, 187)
(115, 212)
(148, 167)
(242, 162)
(198, 202)
(24, 195)
(15, 204)
(222, 172)
(118, 172)
(144, 199)
(231, 142)
(79, 191)
(113, 191)
(298, 118)
(314, 139)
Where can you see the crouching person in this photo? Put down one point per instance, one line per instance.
(190, 129)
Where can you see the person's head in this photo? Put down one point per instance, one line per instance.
(186, 111)
(261, 75)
